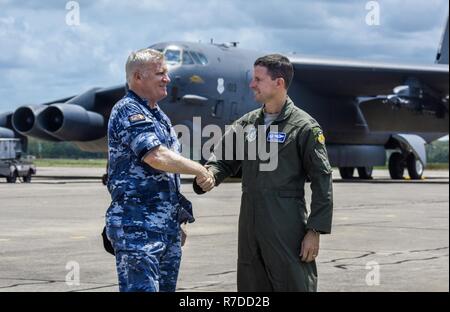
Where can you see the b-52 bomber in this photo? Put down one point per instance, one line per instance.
(364, 108)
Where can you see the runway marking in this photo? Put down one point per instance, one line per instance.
(78, 237)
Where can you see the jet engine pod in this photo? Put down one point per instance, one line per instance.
(5, 126)
(5, 120)
(71, 122)
(24, 122)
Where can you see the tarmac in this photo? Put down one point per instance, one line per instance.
(387, 235)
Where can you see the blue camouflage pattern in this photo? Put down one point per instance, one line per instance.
(146, 261)
(153, 196)
(142, 221)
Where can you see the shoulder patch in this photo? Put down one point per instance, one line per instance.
(136, 117)
(318, 134)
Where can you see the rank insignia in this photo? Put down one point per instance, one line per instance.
(136, 118)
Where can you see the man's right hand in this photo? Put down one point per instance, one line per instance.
(205, 179)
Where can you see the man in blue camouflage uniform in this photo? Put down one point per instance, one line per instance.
(143, 221)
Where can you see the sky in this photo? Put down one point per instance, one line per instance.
(48, 53)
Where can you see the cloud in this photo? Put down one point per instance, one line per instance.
(43, 58)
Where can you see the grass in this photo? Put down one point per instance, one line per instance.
(101, 163)
(88, 163)
(437, 166)
(430, 166)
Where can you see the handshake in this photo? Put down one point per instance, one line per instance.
(204, 181)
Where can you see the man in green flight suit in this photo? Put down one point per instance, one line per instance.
(278, 239)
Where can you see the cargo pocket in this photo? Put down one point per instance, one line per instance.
(135, 237)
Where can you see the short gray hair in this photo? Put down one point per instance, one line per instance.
(139, 58)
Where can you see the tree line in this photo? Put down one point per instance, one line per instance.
(437, 152)
(44, 149)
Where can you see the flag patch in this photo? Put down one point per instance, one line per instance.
(136, 118)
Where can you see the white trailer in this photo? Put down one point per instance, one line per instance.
(10, 149)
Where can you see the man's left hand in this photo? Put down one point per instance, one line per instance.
(310, 246)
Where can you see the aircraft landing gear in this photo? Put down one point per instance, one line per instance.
(415, 167)
(397, 166)
(347, 172)
(364, 173)
(398, 163)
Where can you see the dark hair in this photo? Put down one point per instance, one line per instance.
(278, 66)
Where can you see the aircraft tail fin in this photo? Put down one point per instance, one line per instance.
(442, 56)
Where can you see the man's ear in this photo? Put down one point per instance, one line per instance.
(281, 83)
(137, 75)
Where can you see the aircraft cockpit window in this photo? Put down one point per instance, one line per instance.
(187, 59)
(199, 58)
(203, 58)
(172, 56)
(195, 57)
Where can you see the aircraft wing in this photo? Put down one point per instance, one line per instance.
(352, 78)
(58, 101)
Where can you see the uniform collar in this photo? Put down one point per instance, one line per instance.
(286, 111)
(141, 101)
(136, 97)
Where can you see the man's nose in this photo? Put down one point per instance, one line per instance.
(166, 78)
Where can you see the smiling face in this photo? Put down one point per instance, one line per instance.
(264, 87)
(152, 81)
